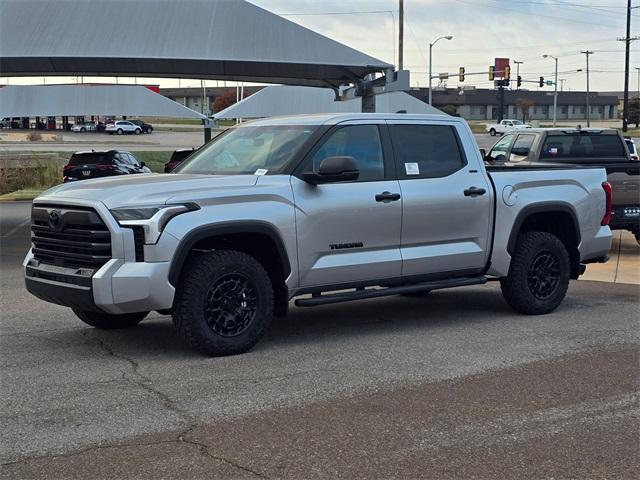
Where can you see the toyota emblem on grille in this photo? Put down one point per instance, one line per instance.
(54, 218)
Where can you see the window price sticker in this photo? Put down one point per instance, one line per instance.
(412, 168)
(261, 171)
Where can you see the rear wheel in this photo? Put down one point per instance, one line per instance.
(539, 274)
(492, 132)
(109, 321)
(83, 129)
(224, 303)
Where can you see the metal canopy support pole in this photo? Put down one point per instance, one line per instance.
(207, 129)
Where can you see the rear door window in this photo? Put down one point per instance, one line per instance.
(584, 146)
(426, 151)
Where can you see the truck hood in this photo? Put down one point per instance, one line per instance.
(144, 189)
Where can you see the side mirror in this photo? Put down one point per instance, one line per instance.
(483, 153)
(334, 169)
(142, 164)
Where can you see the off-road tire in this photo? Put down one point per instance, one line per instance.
(517, 287)
(492, 132)
(200, 277)
(109, 321)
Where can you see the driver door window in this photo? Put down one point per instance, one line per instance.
(521, 148)
(362, 142)
(499, 151)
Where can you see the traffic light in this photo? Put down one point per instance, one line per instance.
(461, 74)
(519, 81)
(507, 72)
(492, 71)
(542, 81)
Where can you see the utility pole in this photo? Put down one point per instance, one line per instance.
(627, 40)
(587, 53)
(401, 35)
(518, 63)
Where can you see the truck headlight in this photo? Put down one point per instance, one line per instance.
(152, 218)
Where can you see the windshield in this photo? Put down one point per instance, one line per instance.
(245, 150)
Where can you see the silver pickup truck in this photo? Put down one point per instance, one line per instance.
(323, 208)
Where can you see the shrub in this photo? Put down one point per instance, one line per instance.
(34, 136)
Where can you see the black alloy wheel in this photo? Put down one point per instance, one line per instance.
(544, 275)
(231, 305)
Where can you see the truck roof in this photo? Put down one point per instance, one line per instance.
(566, 130)
(335, 118)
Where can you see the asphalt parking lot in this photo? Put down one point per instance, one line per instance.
(453, 385)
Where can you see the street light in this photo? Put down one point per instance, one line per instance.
(446, 37)
(555, 93)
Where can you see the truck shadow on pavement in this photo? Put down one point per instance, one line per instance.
(155, 336)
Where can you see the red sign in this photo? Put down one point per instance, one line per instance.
(500, 64)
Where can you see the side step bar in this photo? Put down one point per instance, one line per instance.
(318, 299)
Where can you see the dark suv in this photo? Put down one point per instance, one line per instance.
(146, 127)
(102, 163)
(588, 147)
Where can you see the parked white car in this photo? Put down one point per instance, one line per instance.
(84, 127)
(505, 126)
(123, 126)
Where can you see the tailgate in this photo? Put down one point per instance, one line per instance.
(624, 177)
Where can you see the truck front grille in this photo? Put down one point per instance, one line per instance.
(72, 237)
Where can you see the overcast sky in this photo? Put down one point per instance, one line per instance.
(482, 29)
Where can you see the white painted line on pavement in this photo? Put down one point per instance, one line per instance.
(15, 229)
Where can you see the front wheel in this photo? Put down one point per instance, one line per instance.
(224, 303)
(119, 131)
(83, 130)
(109, 321)
(137, 131)
(492, 132)
(539, 274)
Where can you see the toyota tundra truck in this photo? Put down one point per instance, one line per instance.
(320, 208)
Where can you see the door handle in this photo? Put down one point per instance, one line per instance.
(473, 191)
(387, 197)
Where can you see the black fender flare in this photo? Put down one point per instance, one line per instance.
(226, 228)
(544, 207)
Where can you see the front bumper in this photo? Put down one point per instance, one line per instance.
(121, 285)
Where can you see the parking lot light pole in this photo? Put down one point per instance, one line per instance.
(555, 92)
(518, 63)
(446, 37)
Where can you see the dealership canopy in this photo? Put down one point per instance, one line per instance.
(70, 100)
(207, 39)
(293, 100)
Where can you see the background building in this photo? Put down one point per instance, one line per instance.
(482, 104)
